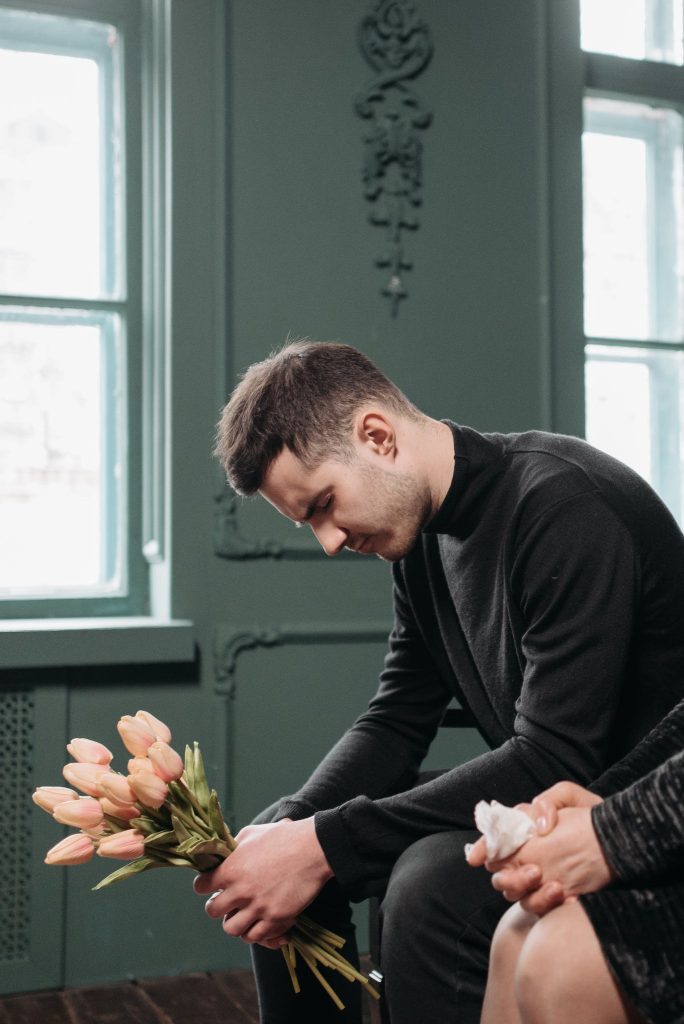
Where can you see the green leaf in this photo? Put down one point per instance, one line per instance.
(189, 774)
(201, 786)
(134, 867)
(214, 846)
(181, 832)
(145, 825)
(216, 818)
(166, 838)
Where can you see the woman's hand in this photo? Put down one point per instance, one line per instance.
(563, 860)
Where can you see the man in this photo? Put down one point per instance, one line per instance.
(535, 579)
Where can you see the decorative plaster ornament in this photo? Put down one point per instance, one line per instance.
(397, 45)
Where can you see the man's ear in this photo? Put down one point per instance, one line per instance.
(376, 432)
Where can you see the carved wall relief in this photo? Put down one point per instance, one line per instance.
(397, 45)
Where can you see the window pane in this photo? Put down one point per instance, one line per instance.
(635, 400)
(56, 147)
(633, 250)
(59, 414)
(639, 29)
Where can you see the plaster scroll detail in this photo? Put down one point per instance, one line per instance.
(397, 45)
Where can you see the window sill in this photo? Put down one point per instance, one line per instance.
(40, 643)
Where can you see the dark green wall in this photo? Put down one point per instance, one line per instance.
(270, 237)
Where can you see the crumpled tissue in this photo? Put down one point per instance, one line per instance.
(505, 829)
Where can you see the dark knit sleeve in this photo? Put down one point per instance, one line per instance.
(382, 752)
(641, 829)
(664, 740)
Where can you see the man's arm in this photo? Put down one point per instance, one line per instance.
(384, 749)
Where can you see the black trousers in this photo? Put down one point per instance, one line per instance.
(437, 919)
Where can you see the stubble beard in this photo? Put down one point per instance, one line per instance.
(399, 500)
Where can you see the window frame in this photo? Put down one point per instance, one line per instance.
(125, 301)
(572, 74)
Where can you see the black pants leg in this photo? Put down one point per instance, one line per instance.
(279, 1004)
(438, 916)
(437, 919)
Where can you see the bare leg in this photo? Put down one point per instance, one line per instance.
(563, 977)
(499, 1005)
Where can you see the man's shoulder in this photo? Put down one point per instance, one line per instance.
(538, 471)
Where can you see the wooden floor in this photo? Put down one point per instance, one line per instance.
(227, 997)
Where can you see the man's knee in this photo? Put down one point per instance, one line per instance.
(432, 885)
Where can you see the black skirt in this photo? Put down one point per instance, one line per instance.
(641, 932)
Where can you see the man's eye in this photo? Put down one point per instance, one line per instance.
(326, 504)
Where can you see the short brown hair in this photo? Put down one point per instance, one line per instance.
(303, 397)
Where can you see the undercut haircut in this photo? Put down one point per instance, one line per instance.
(303, 397)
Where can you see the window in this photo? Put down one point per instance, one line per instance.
(70, 320)
(633, 199)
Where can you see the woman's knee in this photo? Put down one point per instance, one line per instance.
(561, 969)
(511, 932)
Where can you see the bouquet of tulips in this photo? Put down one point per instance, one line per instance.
(162, 814)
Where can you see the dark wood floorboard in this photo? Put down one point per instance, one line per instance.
(225, 997)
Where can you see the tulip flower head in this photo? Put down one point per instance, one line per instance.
(136, 735)
(75, 849)
(47, 797)
(160, 730)
(115, 787)
(124, 845)
(84, 812)
(84, 777)
(150, 790)
(166, 762)
(125, 812)
(138, 764)
(89, 751)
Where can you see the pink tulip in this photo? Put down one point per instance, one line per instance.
(137, 736)
(126, 812)
(167, 764)
(150, 790)
(75, 849)
(89, 751)
(160, 730)
(124, 845)
(84, 777)
(48, 797)
(138, 764)
(85, 812)
(115, 787)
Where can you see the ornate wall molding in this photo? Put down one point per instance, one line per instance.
(397, 45)
(231, 642)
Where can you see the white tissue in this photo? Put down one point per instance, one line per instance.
(505, 829)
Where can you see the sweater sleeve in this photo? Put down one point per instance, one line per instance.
(382, 752)
(641, 829)
(666, 739)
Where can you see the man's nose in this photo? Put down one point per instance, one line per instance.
(331, 538)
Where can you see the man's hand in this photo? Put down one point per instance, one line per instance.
(563, 860)
(272, 875)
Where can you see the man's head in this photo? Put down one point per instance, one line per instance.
(304, 398)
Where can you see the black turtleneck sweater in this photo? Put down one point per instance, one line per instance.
(547, 596)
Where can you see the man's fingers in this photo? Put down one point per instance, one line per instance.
(205, 883)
